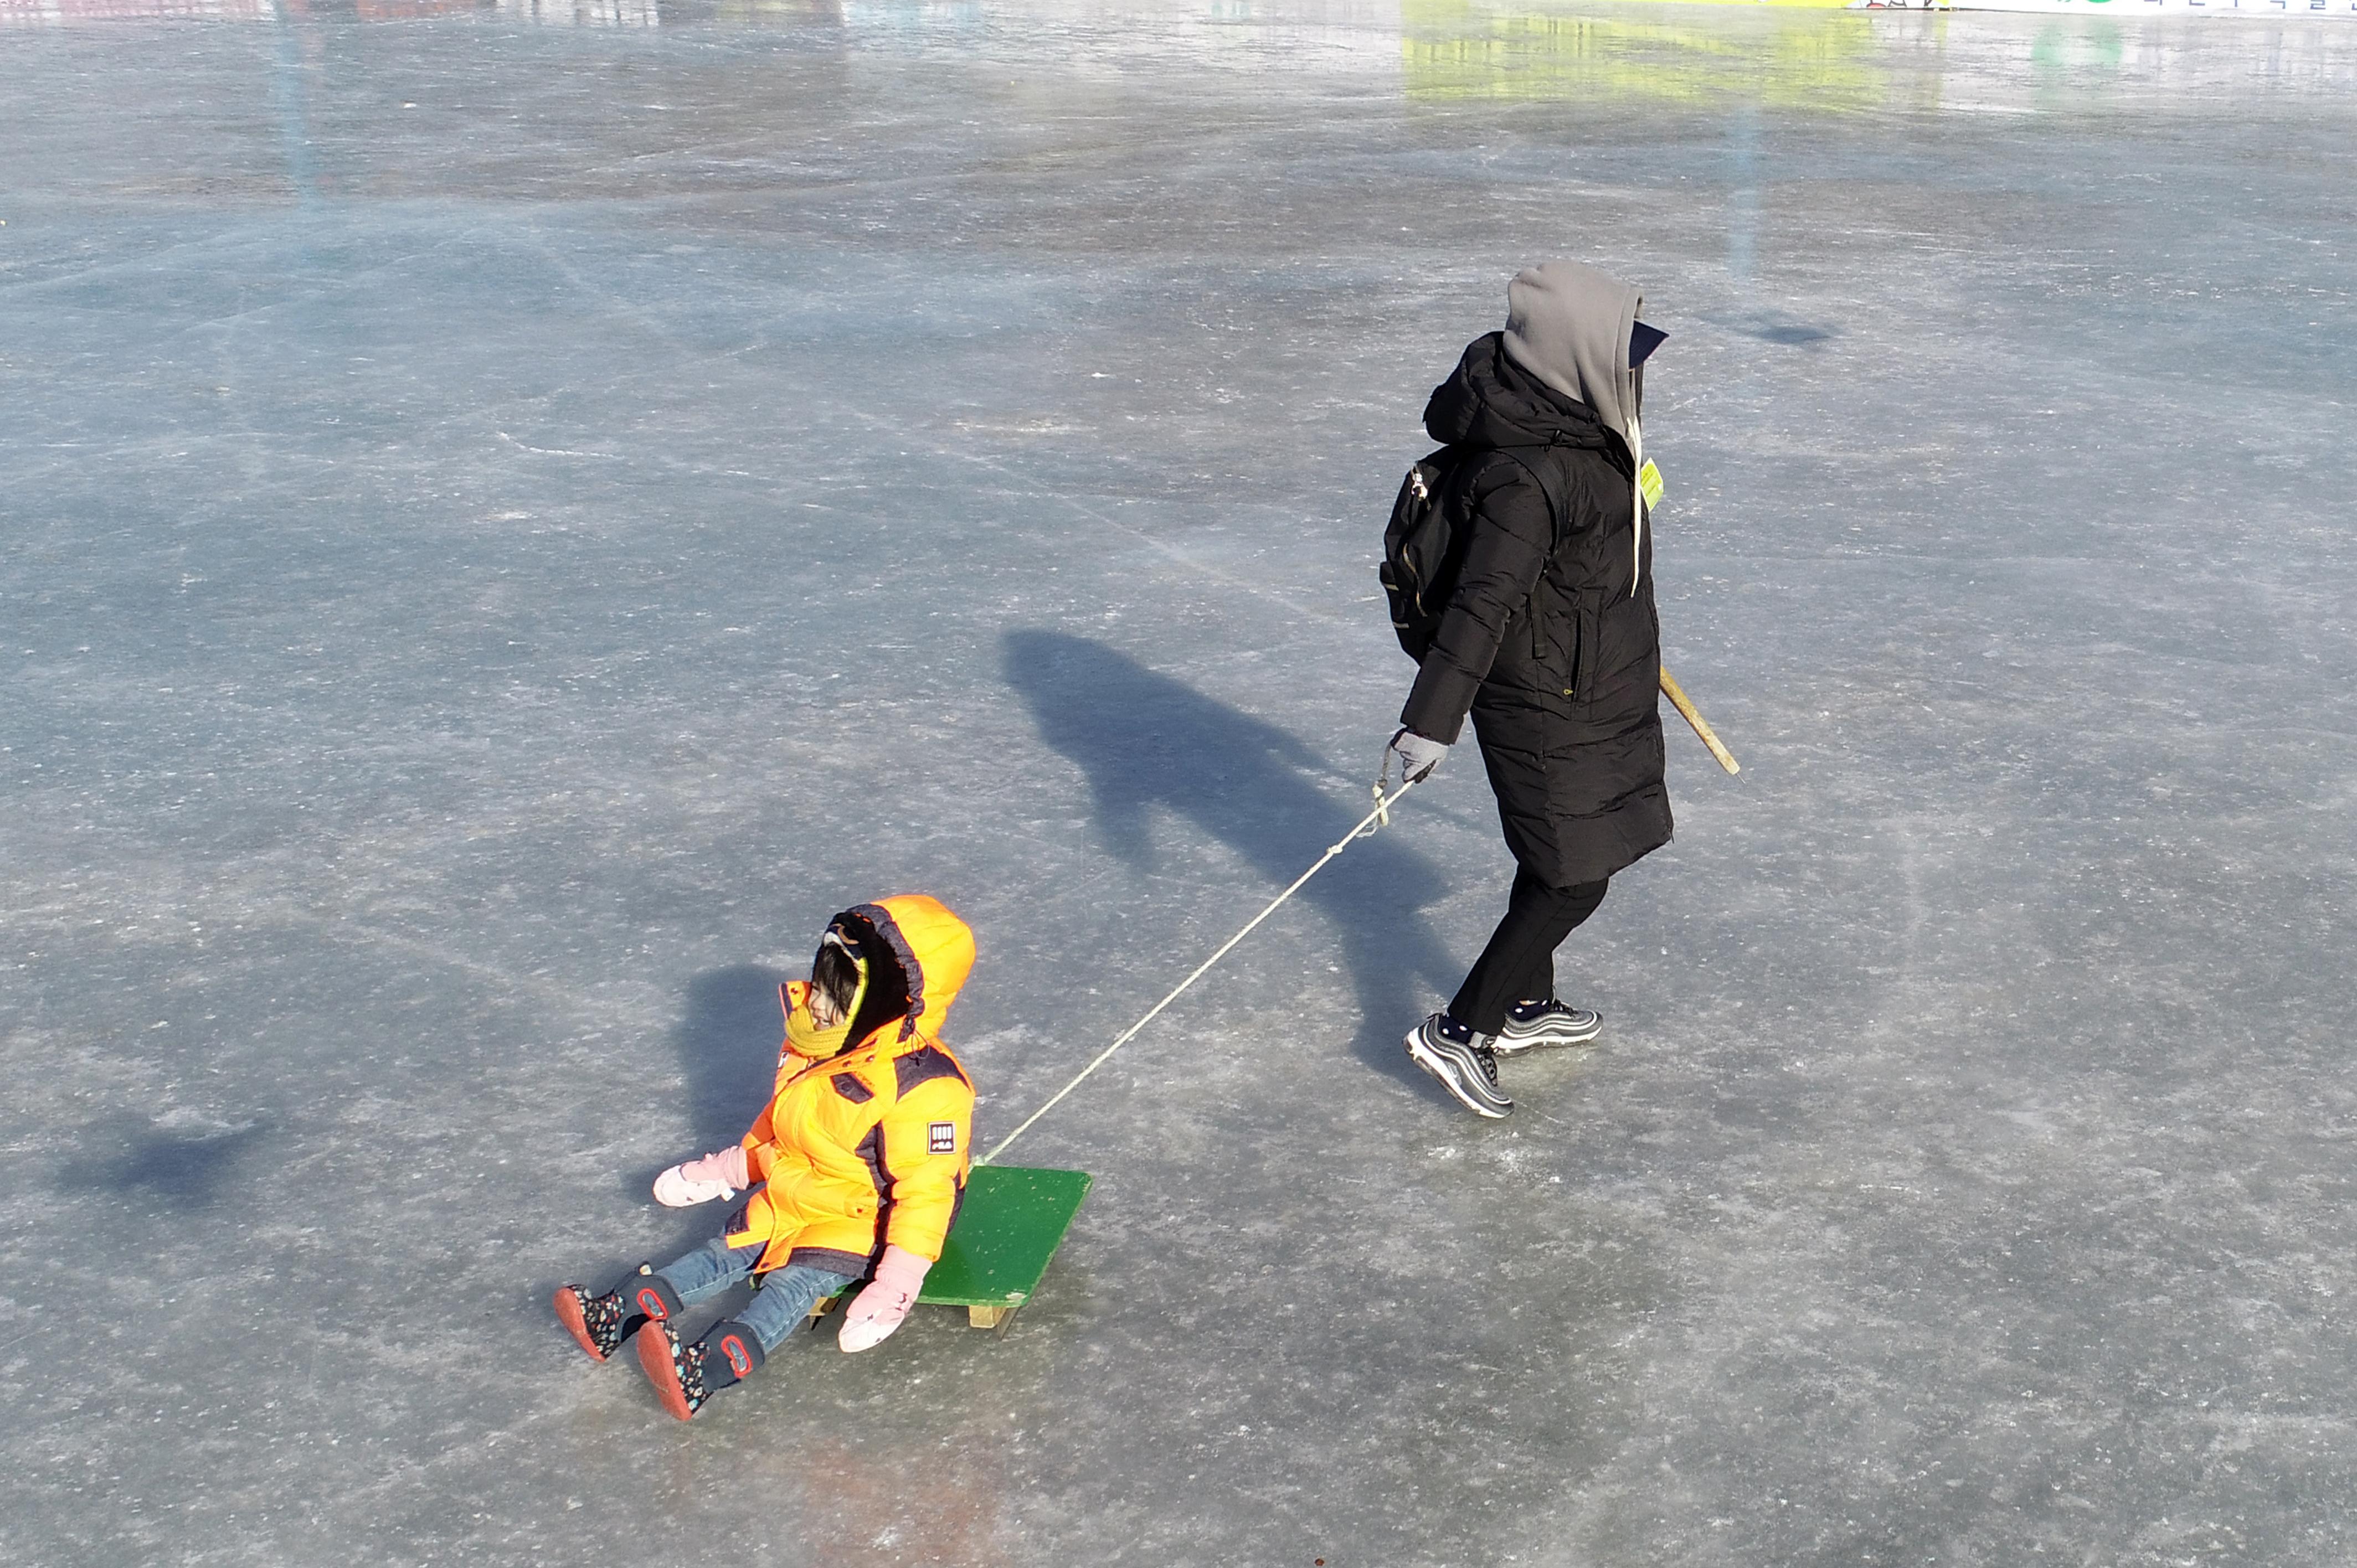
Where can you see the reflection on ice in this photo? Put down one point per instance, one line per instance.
(582, 13)
(1785, 53)
(563, 13)
(38, 13)
(1457, 50)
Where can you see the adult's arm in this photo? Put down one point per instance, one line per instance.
(1512, 536)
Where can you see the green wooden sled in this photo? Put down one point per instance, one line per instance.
(1010, 1226)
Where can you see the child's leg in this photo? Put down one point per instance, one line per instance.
(786, 1298)
(600, 1323)
(686, 1375)
(652, 1295)
(709, 1270)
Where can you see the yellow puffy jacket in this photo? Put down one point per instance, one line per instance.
(871, 1146)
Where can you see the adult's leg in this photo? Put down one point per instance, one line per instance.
(1569, 908)
(1518, 964)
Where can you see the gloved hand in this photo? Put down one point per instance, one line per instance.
(691, 1182)
(877, 1310)
(1417, 755)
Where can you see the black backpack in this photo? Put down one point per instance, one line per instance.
(1423, 544)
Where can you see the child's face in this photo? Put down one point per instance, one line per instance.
(823, 1010)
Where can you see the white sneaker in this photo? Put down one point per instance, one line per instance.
(1460, 1060)
(1548, 1023)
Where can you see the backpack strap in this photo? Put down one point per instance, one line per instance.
(1558, 516)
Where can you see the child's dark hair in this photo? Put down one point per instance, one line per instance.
(835, 976)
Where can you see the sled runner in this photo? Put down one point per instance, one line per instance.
(1008, 1229)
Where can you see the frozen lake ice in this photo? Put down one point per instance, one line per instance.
(511, 524)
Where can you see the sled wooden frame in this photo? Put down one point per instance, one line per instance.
(1008, 1227)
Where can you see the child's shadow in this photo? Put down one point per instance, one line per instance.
(728, 1045)
(1148, 741)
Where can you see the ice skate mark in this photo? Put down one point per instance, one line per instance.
(620, 306)
(1022, 486)
(557, 451)
(342, 285)
(507, 980)
(163, 894)
(1027, 427)
(1914, 969)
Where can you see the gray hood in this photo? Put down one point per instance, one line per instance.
(1567, 324)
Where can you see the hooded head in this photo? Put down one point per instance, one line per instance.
(1575, 328)
(1570, 325)
(900, 959)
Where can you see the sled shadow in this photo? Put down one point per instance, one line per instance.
(1148, 741)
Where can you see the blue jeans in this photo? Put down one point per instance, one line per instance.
(785, 1297)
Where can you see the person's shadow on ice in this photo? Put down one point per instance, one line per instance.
(728, 1045)
(1145, 740)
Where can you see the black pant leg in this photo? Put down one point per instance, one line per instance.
(1518, 965)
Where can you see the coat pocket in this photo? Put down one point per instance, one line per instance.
(1566, 636)
(1589, 633)
(1556, 644)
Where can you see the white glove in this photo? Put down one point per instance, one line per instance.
(695, 1181)
(1418, 755)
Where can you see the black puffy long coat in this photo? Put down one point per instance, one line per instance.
(1557, 662)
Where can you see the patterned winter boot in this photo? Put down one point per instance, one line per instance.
(686, 1376)
(600, 1323)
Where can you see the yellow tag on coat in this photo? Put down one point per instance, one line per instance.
(1648, 484)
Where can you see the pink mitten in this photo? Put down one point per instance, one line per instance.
(877, 1310)
(720, 1175)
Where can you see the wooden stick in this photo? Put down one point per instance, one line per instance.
(1678, 694)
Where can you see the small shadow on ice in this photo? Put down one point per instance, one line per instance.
(1775, 327)
(185, 1167)
(727, 1044)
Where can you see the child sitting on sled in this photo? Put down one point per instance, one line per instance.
(861, 1158)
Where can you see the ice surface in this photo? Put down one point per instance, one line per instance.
(507, 526)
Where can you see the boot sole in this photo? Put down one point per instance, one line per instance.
(654, 1360)
(569, 1313)
(1436, 1068)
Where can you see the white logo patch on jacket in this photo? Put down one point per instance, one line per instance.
(941, 1138)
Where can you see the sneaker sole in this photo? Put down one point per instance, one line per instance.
(1507, 1045)
(654, 1360)
(569, 1313)
(1437, 1067)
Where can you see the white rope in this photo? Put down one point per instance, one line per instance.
(1368, 826)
